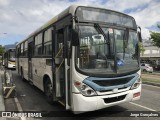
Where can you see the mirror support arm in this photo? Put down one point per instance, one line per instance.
(139, 34)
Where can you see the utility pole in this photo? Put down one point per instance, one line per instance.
(2, 34)
(1, 47)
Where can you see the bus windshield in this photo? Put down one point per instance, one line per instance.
(12, 55)
(97, 56)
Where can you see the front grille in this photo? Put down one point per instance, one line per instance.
(114, 99)
(105, 90)
(111, 89)
(122, 88)
(113, 82)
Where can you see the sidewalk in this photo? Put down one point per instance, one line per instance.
(151, 79)
(2, 107)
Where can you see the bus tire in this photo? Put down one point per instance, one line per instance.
(48, 91)
(22, 76)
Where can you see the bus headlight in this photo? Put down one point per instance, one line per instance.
(136, 84)
(85, 89)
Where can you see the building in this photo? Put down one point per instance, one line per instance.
(151, 54)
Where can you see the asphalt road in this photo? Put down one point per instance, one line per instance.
(30, 98)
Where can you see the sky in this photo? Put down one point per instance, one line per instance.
(19, 18)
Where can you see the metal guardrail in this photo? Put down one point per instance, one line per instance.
(9, 88)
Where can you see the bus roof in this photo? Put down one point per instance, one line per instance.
(10, 49)
(70, 10)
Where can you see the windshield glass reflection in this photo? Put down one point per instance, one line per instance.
(96, 56)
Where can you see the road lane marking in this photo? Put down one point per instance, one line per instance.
(151, 85)
(19, 108)
(143, 106)
(61, 103)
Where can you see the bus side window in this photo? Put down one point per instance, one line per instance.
(60, 37)
(48, 42)
(22, 47)
(25, 48)
(38, 45)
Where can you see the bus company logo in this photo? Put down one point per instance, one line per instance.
(115, 90)
(120, 62)
(6, 114)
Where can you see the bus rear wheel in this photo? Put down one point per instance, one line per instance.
(48, 91)
(22, 75)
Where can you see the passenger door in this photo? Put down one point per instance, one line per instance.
(59, 64)
(61, 69)
(30, 54)
(17, 58)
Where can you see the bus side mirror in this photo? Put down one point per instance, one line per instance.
(139, 34)
(75, 38)
(139, 37)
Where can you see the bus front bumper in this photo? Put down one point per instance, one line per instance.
(83, 104)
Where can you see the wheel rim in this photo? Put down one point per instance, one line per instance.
(49, 90)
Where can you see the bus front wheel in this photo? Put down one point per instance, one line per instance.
(48, 91)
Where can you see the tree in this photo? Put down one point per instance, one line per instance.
(2, 50)
(155, 37)
(141, 47)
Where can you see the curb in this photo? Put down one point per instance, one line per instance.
(151, 83)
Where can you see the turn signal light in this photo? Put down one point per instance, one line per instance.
(136, 94)
(77, 83)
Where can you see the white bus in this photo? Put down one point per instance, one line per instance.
(9, 58)
(86, 58)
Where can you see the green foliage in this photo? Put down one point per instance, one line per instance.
(155, 37)
(141, 47)
(2, 50)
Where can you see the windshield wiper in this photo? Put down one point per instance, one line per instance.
(125, 41)
(102, 32)
(126, 37)
(106, 37)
